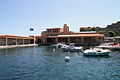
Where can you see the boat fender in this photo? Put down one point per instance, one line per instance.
(53, 49)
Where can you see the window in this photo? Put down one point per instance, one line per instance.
(44, 32)
(93, 37)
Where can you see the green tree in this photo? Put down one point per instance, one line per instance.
(119, 25)
(111, 34)
(101, 32)
(93, 29)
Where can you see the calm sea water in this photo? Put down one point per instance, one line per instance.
(42, 63)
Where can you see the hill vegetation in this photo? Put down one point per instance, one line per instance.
(110, 30)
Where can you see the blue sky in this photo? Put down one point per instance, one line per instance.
(17, 16)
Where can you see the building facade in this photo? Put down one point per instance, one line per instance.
(53, 36)
(83, 29)
(57, 35)
(6, 40)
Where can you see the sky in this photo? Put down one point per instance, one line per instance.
(18, 16)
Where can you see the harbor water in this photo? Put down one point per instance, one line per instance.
(44, 63)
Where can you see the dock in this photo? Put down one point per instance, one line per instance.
(17, 46)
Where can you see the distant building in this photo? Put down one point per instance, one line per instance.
(82, 29)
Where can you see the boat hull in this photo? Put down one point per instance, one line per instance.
(97, 54)
(71, 50)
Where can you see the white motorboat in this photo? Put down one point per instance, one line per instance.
(58, 45)
(72, 48)
(96, 52)
(110, 46)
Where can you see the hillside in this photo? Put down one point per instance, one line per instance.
(115, 27)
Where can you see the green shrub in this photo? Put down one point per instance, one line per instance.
(111, 33)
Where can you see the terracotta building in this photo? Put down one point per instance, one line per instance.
(56, 35)
(15, 40)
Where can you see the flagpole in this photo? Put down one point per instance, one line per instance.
(34, 36)
(32, 29)
(34, 39)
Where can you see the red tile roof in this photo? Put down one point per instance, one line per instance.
(80, 35)
(53, 28)
(14, 36)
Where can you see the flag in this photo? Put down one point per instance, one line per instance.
(31, 29)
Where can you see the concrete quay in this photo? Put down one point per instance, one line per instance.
(16, 46)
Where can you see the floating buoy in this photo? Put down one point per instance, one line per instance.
(53, 49)
(67, 58)
(113, 74)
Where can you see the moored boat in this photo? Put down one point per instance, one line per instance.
(58, 45)
(110, 46)
(72, 48)
(96, 52)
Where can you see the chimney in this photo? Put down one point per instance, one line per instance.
(66, 28)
